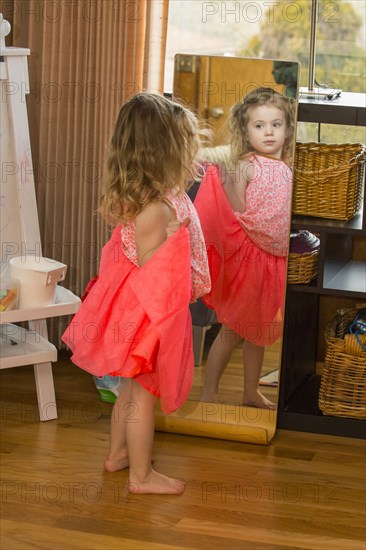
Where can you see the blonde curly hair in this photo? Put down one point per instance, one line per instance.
(152, 151)
(239, 118)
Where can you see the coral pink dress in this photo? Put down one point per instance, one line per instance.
(135, 322)
(247, 251)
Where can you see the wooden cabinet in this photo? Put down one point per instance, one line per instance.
(341, 281)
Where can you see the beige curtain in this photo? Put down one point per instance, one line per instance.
(87, 58)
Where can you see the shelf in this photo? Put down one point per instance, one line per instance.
(303, 413)
(66, 303)
(348, 109)
(349, 277)
(339, 276)
(311, 287)
(19, 347)
(331, 226)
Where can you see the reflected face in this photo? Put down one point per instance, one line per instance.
(266, 130)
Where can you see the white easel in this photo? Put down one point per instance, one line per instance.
(20, 230)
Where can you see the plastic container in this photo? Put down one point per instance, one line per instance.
(109, 387)
(9, 293)
(38, 279)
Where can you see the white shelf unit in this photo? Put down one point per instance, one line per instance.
(20, 347)
(20, 232)
(66, 303)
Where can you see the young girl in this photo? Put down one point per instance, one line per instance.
(135, 321)
(245, 217)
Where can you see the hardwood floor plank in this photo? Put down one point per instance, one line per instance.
(204, 541)
(285, 539)
(63, 539)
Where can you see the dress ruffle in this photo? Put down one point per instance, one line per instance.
(247, 283)
(135, 322)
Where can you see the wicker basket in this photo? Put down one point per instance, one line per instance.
(302, 268)
(343, 381)
(328, 180)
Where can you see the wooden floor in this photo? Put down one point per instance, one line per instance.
(303, 491)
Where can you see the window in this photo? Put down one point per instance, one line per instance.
(275, 29)
(330, 133)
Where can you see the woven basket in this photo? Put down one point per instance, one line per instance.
(302, 268)
(328, 180)
(343, 382)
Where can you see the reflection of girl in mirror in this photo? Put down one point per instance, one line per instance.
(245, 216)
(135, 321)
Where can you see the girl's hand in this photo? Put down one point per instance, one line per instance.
(174, 225)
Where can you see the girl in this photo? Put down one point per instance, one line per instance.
(245, 219)
(135, 321)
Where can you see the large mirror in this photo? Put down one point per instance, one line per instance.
(211, 85)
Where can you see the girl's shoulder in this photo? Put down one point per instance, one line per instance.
(248, 159)
(154, 214)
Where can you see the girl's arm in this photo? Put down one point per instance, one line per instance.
(235, 183)
(151, 229)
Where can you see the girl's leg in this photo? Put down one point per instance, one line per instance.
(218, 357)
(118, 454)
(140, 438)
(253, 360)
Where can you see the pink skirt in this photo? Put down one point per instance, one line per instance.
(135, 322)
(248, 284)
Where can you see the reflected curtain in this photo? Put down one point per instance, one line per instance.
(87, 57)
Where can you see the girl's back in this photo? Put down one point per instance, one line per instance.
(199, 268)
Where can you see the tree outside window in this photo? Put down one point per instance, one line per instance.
(277, 29)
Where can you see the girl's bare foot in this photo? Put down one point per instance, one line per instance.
(259, 401)
(156, 483)
(116, 464)
(208, 397)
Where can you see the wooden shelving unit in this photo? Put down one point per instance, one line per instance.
(340, 275)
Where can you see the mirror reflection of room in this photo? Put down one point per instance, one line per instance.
(243, 202)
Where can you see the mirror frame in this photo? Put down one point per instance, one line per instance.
(220, 421)
(232, 422)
